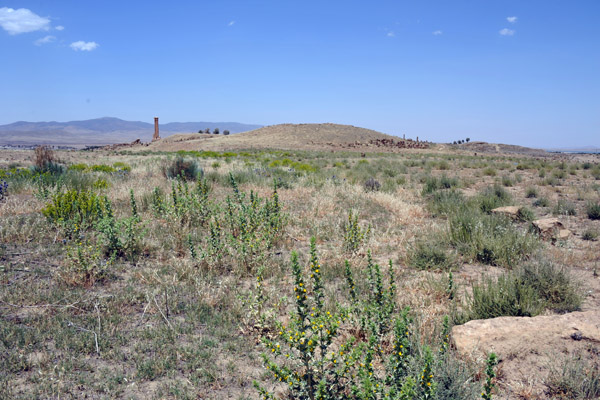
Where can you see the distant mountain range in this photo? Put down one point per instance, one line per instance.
(101, 131)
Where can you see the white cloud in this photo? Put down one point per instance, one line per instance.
(507, 32)
(22, 21)
(391, 34)
(44, 40)
(59, 28)
(436, 33)
(83, 46)
(231, 23)
(512, 20)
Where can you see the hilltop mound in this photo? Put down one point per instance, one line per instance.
(291, 136)
(484, 147)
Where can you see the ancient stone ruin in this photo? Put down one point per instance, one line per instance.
(156, 135)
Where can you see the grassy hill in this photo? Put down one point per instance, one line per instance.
(284, 136)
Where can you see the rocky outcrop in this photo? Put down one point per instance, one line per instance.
(509, 211)
(550, 229)
(528, 346)
(506, 334)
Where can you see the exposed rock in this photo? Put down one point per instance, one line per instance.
(511, 211)
(505, 333)
(550, 229)
(526, 346)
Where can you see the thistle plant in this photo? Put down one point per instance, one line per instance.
(303, 346)
(121, 237)
(427, 383)
(450, 288)
(311, 357)
(158, 202)
(354, 235)
(134, 211)
(490, 374)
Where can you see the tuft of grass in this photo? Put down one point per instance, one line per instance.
(593, 211)
(564, 207)
(541, 202)
(524, 292)
(489, 239)
(590, 235)
(493, 197)
(525, 214)
(445, 202)
(427, 255)
(531, 192)
(575, 378)
(489, 171)
(507, 181)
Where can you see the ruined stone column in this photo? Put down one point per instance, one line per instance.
(156, 135)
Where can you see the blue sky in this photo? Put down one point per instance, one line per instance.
(523, 72)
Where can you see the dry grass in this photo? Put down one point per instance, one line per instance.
(169, 326)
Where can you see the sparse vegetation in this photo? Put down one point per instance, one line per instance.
(156, 274)
(526, 291)
(576, 377)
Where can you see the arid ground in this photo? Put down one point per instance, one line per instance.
(165, 271)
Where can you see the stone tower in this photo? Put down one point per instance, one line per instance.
(156, 135)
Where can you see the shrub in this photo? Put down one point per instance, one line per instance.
(576, 378)
(372, 185)
(593, 210)
(75, 211)
(489, 239)
(541, 202)
(121, 166)
(102, 168)
(552, 283)
(427, 255)
(590, 235)
(78, 167)
(354, 235)
(524, 214)
(490, 172)
(526, 291)
(3, 190)
(445, 202)
(45, 160)
(432, 184)
(84, 266)
(121, 237)
(492, 197)
(531, 192)
(564, 207)
(507, 181)
(183, 168)
(366, 351)
(443, 165)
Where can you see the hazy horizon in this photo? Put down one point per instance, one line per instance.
(522, 73)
